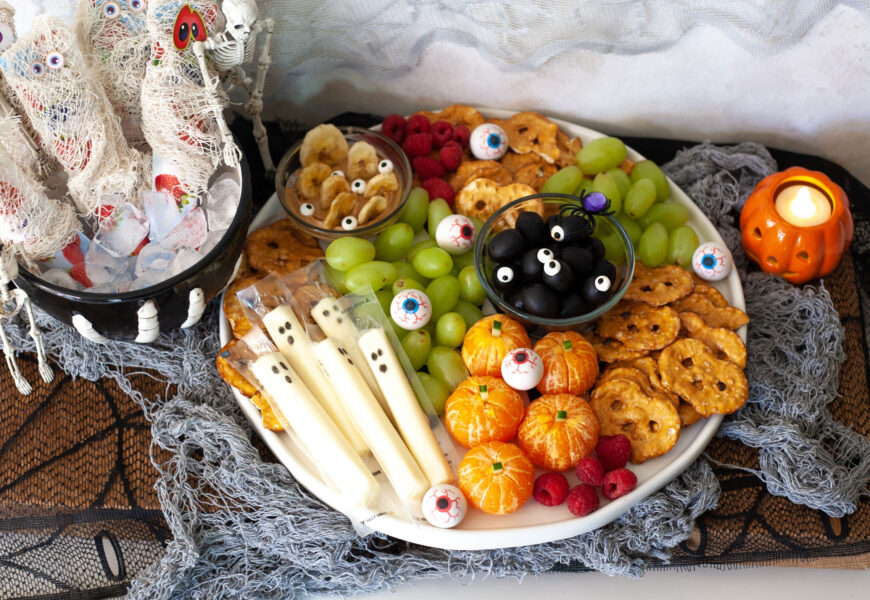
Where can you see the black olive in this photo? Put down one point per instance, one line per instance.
(504, 278)
(596, 247)
(570, 229)
(579, 259)
(533, 229)
(506, 246)
(558, 276)
(596, 289)
(531, 267)
(541, 300)
(515, 299)
(605, 267)
(573, 306)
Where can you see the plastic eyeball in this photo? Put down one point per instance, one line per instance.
(358, 186)
(54, 60)
(444, 505)
(522, 369)
(37, 68)
(136, 5)
(348, 223)
(307, 209)
(7, 36)
(455, 234)
(338, 172)
(545, 255)
(712, 261)
(411, 309)
(385, 166)
(111, 10)
(488, 142)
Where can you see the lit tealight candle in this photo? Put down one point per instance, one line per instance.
(803, 205)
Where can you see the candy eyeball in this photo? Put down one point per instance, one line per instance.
(37, 68)
(522, 369)
(358, 186)
(385, 166)
(455, 234)
(411, 309)
(488, 142)
(349, 223)
(545, 255)
(338, 172)
(712, 261)
(602, 283)
(54, 60)
(504, 278)
(136, 5)
(552, 268)
(307, 209)
(444, 505)
(111, 10)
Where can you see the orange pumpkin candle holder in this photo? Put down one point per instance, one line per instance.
(797, 224)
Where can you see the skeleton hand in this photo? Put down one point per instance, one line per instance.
(232, 154)
(254, 106)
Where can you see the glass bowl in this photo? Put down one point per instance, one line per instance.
(385, 147)
(618, 245)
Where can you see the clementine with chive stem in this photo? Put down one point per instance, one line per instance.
(496, 477)
(570, 363)
(488, 341)
(483, 409)
(559, 431)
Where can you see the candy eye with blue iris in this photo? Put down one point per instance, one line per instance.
(411, 309)
(488, 142)
(37, 68)
(54, 60)
(712, 261)
(111, 10)
(136, 5)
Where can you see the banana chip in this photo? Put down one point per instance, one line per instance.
(331, 187)
(311, 178)
(375, 206)
(325, 143)
(342, 206)
(362, 161)
(381, 184)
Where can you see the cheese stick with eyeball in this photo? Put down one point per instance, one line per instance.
(386, 445)
(409, 416)
(321, 437)
(291, 339)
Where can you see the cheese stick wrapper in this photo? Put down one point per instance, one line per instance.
(292, 341)
(324, 442)
(410, 419)
(386, 445)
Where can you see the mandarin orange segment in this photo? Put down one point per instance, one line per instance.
(496, 477)
(483, 409)
(488, 341)
(570, 363)
(559, 430)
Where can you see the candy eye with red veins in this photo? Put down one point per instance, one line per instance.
(111, 10)
(54, 60)
(712, 261)
(455, 234)
(522, 369)
(188, 26)
(444, 506)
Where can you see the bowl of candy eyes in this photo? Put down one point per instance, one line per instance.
(343, 181)
(554, 260)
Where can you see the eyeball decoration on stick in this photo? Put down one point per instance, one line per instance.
(522, 369)
(411, 309)
(712, 261)
(444, 506)
(455, 234)
(488, 142)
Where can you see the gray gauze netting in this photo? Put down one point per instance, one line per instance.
(244, 528)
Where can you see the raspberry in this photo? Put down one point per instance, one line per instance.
(582, 500)
(551, 489)
(451, 156)
(461, 135)
(427, 167)
(418, 144)
(613, 451)
(394, 127)
(442, 132)
(438, 188)
(418, 124)
(618, 482)
(590, 471)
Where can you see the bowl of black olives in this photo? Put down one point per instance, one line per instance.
(554, 260)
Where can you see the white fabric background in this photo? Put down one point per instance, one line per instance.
(794, 75)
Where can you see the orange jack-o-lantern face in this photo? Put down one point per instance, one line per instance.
(188, 25)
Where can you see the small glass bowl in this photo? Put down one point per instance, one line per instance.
(385, 147)
(606, 226)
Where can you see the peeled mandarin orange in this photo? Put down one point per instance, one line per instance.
(559, 430)
(496, 477)
(570, 363)
(483, 409)
(488, 341)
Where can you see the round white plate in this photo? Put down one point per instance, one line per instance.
(533, 523)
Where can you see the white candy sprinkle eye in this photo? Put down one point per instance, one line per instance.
(602, 283)
(545, 255)
(348, 223)
(136, 5)
(307, 209)
(111, 10)
(37, 68)
(54, 60)
(505, 274)
(385, 166)
(358, 186)
(557, 233)
(338, 172)
(552, 268)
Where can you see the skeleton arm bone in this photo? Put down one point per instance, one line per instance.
(232, 155)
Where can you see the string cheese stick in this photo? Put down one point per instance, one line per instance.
(387, 446)
(320, 436)
(410, 418)
(290, 338)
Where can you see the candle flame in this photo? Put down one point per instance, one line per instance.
(802, 206)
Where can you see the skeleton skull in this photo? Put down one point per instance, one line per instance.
(241, 16)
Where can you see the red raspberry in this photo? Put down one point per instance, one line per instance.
(394, 127)
(418, 124)
(590, 471)
(461, 135)
(451, 156)
(427, 167)
(551, 489)
(618, 482)
(418, 144)
(438, 188)
(442, 132)
(582, 500)
(613, 451)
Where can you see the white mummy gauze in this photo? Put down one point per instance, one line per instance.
(178, 105)
(69, 110)
(114, 40)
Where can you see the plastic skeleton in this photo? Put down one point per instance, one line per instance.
(235, 47)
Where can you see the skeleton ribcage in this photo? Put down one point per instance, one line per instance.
(232, 54)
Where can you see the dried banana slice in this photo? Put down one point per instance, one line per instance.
(374, 207)
(331, 187)
(341, 207)
(362, 161)
(311, 178)
(325, 143)
(382, 184)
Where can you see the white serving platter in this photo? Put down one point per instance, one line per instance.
(533, 523)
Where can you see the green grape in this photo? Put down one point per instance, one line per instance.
(470, 313)
(478, 224)
(623, 181)
(436, 391)
(394, 241)
(347, 252)
(632, 229)
(336, 279)
(421, 245)
(606, 184)
(639, 198)
(652, 249)
(407, 270)
(669, 214)
(385, 298)
(416, 209)
(682, 245)
(584, 187)
(466, 259)
(445, 365)
(600, 155)
(470, 288)
(443, 293)
(406, 283)
(432, 262)
(614, 249)
(563, 181)
(450, 329)
(417, 345)
(376, 273)
(647, 169)
(438, 209)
